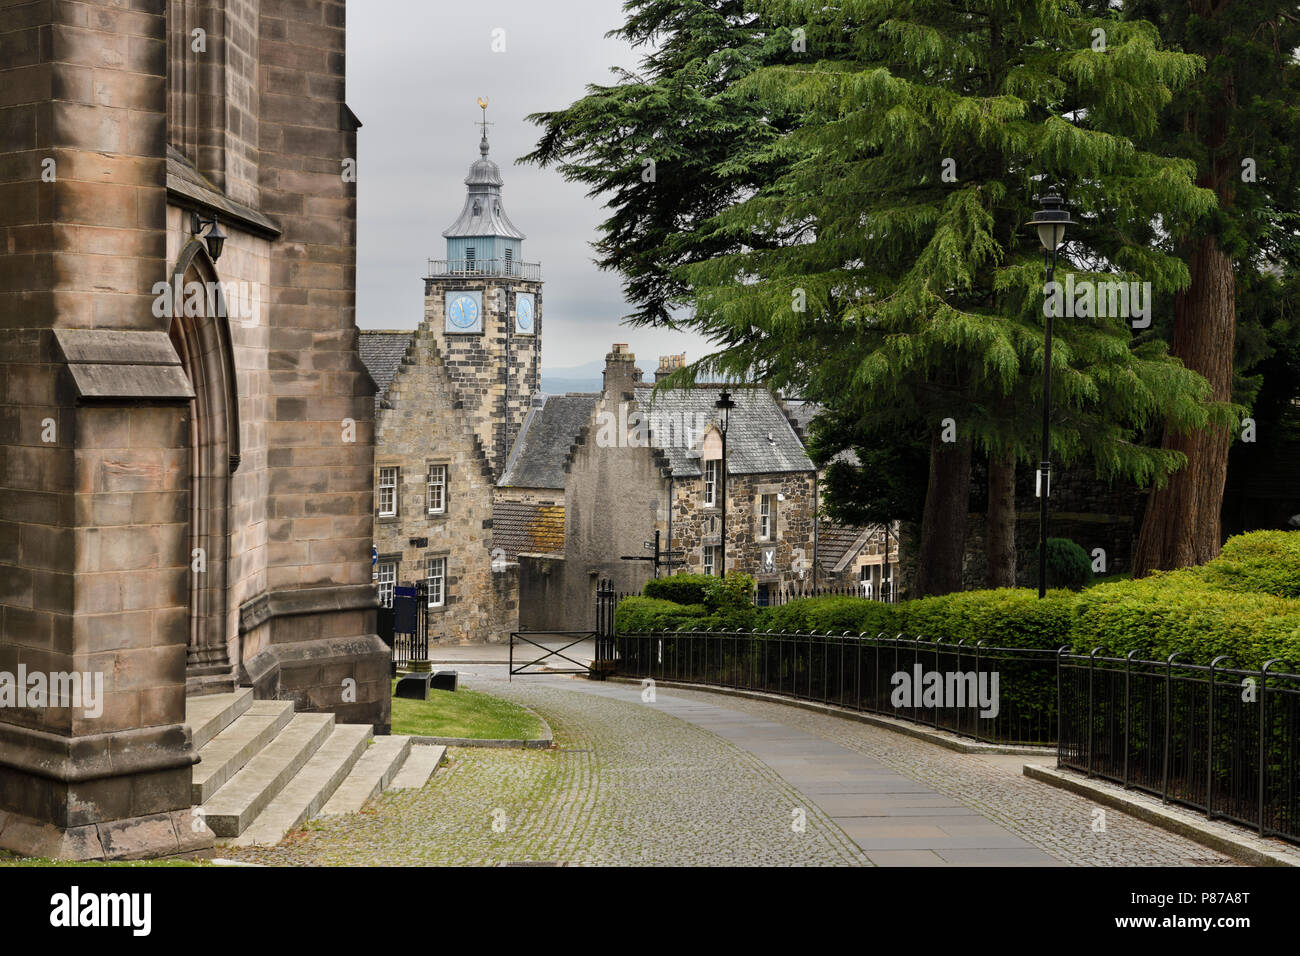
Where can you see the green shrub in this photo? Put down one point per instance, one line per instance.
(734, 592)
(1006, 617)
(1068, 565)
(655, 614)
(837, 614)
(682, 588)
(1180, 611)
(1262, 561)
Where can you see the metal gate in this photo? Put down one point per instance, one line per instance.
(603, 636)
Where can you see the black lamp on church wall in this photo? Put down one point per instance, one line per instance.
(215, 239)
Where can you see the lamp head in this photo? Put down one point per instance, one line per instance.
(1051, 220)
(724, 405)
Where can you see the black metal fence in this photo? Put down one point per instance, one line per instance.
(1214, 738)
(992, 694)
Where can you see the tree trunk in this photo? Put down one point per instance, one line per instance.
(1181, 527)
(1000, 523)
(943, 524)
(1182, 522)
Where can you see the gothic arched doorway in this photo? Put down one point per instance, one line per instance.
(200, 333)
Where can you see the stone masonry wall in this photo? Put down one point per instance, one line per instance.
(696, 525)
(495, 373)
(92, 564)
(422, 428)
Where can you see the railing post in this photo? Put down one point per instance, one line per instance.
(1209, 744)
(1091, 665)
(1169, 720)
(1060, 705)
(1263, 706)
(1128, 697)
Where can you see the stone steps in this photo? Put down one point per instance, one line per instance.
(419, 767)
(233, 808)
(210, 715)
(264, 770)
(310, 788)
(229, 751)
(371, 775)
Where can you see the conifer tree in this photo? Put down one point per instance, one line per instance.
(868, 249)
(1239, 122)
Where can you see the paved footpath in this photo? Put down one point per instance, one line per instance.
(696, 778)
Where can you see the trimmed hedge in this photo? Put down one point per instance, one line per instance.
(835, 613)
(1263, 561)
(1178, 611)
(655, 614)
(1244, 604)
(682, 588)
(1006, 617)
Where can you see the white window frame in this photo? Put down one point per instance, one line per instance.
(390, 488)
(767, 567)
(439, 486)
(436, 582)
(712, 559)
(712, 472)
(767, 518)
(386, 576)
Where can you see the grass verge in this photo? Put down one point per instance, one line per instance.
(464, 713)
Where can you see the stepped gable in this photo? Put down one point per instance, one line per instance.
(549, 431)
(382, 351)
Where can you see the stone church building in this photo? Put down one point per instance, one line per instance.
(185, 424)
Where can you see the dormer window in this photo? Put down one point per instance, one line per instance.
(478, 208)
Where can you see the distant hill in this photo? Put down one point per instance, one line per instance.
(589, 377)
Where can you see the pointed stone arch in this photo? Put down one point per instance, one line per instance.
(199, 330)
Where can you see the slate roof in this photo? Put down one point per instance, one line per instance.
(382, 351)
(838, 542)
(519, 527)
(760, 439)
(537, 458)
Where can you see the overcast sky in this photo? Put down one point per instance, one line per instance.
(415, 71)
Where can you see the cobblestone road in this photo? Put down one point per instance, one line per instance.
(627, 785)
(630, 783)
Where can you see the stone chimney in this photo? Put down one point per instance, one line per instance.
(621, 373)
(669, 364)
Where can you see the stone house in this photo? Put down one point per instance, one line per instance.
(649, 462)
(185, 426)
(454, 395)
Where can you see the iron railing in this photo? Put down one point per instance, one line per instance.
(531, 271)
(860, 672)
(1214, 738)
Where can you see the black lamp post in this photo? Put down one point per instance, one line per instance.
(216, 239)
(724, 405)
(1050, 221)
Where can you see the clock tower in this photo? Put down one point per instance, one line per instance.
(483, 306)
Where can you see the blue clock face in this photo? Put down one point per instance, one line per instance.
(464, 314)
(524, 313)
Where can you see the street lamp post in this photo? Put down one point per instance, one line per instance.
(1050, 221)
(724, 405)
